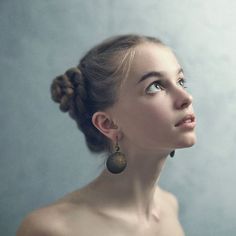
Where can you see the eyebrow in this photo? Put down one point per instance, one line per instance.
(159, 74)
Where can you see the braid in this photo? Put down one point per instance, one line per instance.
(68, 90)
(80, 97)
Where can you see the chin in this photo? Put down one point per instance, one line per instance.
(187, 142)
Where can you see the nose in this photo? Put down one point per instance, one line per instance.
(183, 99)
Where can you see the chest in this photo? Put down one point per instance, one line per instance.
(90, 226)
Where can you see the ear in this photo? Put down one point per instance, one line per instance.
(103, 122)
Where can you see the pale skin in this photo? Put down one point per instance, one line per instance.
(130, 203)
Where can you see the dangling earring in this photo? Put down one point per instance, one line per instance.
(116, 162)
(172, 153)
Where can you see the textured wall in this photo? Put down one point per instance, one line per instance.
(43, 155)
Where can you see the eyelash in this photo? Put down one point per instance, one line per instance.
(159, 83)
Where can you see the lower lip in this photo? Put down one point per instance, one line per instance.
(186, 125)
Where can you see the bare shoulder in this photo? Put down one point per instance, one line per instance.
(44, 221)
(170, 199)
(54, 219)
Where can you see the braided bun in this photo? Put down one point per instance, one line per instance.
(67, 88)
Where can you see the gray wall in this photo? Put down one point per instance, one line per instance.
(43, 155)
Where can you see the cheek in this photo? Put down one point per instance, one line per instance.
(154, 119)
(146, 120)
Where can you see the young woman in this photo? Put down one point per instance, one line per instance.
(128, 97)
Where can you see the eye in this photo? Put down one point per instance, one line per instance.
(157, 85)
(153, 87)
(182, 82)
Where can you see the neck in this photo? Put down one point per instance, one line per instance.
(134, 190)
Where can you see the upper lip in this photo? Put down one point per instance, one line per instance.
(187, 117)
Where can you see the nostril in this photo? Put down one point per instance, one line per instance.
(185, 104)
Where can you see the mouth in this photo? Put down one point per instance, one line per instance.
(188, 120)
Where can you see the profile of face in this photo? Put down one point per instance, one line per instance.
(148, 109)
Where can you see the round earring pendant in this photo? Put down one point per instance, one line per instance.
(116, 163)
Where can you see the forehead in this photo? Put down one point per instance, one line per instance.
(152, 57)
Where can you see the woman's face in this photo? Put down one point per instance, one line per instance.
(147, 111)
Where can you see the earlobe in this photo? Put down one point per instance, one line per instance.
(104, 124)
